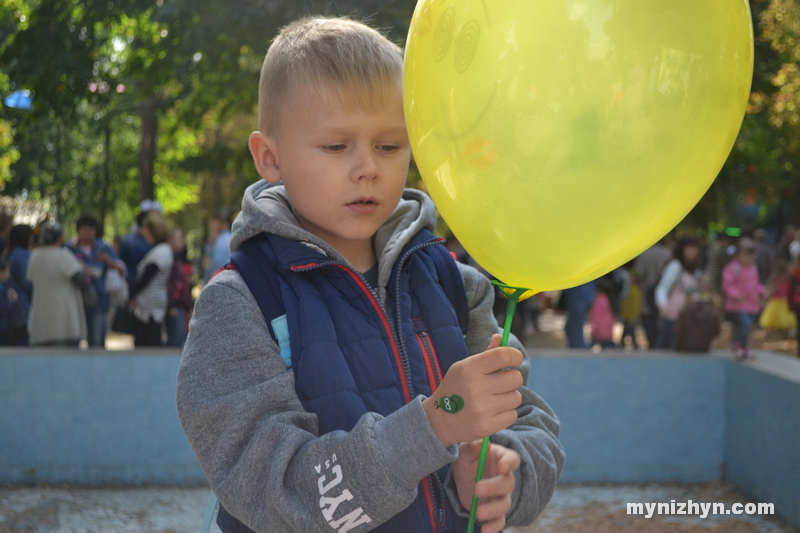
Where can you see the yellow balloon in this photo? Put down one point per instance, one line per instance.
(561, 138)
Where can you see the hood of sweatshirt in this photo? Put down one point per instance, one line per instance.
(266, 209)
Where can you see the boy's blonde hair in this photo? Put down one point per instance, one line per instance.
(337, 57)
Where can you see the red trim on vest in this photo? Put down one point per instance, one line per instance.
(300, 267)
(229, 266)
(438, 368)
(426, 489)
(431, 379)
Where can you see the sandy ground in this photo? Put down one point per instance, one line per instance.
(574, 508)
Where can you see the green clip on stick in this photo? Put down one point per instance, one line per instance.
(513, 295)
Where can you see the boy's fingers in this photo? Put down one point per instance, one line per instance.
(495, 526)
(492, 509)
(495, 342)
(498, 486)
(493, 514)
(504, 403)
(508, 462)
(473, 448)
(497, 359)
(505, 381)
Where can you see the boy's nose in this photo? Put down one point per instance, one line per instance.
(365, 166)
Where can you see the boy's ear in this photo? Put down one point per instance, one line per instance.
(263, 149)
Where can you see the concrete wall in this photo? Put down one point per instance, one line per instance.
(636, 419)
(100, 417)
(92, 418)
(762, 450)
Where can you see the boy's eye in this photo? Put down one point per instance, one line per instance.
(333, 148)
(388, 148)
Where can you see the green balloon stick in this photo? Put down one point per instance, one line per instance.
(513, 295)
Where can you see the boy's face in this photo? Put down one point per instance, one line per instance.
(344, 169)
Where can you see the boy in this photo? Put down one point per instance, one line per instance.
(366, 413)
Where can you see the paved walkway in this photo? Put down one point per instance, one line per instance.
(574, 508)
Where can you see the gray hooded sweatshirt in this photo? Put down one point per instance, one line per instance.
(262, 452)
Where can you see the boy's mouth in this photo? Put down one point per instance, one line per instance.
(364, 201)
(363, 206)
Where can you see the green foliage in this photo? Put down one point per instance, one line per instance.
(91, 63)
(760, 170)
(8, 152)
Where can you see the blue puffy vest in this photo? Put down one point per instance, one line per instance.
(350, 356)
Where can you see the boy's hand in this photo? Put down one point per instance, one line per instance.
(12, 296)
(494, 490)
(489, 397)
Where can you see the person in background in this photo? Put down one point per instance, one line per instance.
(577, 302)
(743, 293)
(649, 266)
(782, 248)
(149, 298)
(630, 310)
(764, 255)
(601, 315)
(794, 299)
(794, 248)
(677, 280)
(776, 314)
(218, 248)
(13, 324)
(718, 256)
(134, 247)
(699, 321)
(97, 258)
(57, 315)
(179, 291)
(19, 254)
(6, 225)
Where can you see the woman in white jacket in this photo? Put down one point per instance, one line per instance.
(149, 295)
(678, 278)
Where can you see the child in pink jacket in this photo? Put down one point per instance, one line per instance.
(602, 314)
(743, 296)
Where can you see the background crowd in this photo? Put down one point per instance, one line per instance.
(675, 295)
(56, 291)
(680, 291)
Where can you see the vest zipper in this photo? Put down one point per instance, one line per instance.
(440, 512)
(397, 314)
(435, 497)
(401, 357)
(435, 505)
(432, 360)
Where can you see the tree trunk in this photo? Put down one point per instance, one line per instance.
(106, 180)
(147, 154)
